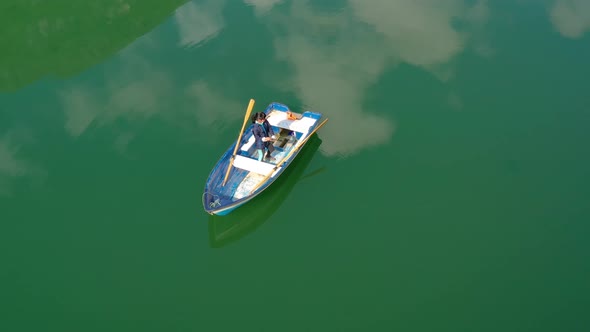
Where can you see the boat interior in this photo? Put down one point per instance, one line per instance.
(289, 130)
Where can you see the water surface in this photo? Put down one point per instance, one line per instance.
(448, 191)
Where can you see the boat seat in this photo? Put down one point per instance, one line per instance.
(253, 165)
(248, 145)
(280, 120)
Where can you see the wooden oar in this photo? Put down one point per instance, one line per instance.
(231, 161)
(288, 155)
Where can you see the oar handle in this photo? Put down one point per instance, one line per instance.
(231, 161)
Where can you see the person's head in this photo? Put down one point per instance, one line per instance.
(258, 117)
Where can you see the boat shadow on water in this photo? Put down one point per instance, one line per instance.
(227, 229)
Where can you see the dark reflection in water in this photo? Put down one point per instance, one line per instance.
(228, 229)
(62, 38)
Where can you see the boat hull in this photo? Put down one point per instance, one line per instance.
(245, 180)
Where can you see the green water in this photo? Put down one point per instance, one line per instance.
(448, 192)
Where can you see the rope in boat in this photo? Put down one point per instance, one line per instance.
(216, 201)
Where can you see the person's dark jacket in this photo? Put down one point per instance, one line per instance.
(260, 131)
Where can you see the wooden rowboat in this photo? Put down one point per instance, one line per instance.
(238, 176)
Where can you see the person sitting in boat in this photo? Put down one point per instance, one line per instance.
(264, 135)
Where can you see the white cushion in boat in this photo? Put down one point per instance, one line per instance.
(253, 165)
(248, 144)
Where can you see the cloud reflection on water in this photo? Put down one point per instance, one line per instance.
(203, 97)
(336, 57)
(571, 17)
(199, 22)
(138, 88)
(9, 164)
(12, 166)
(262, 7)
